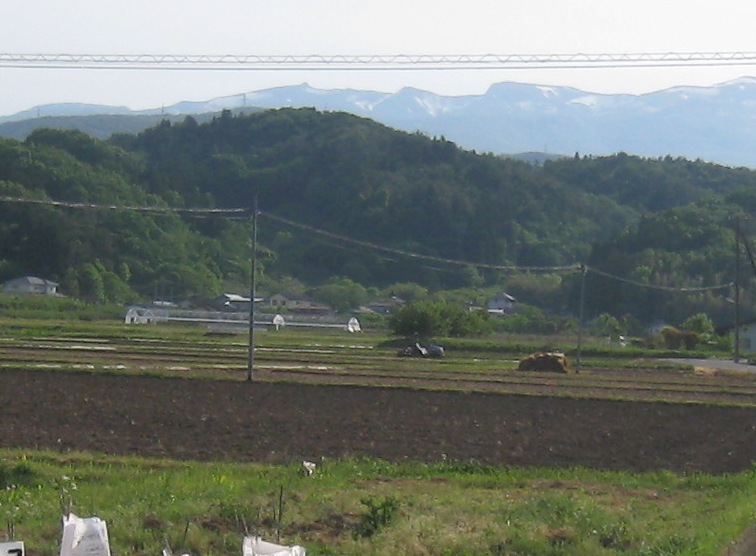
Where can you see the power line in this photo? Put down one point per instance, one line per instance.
(412, 255)
(153, 209)
(658, 286)
(236, 212)
(371, 62)
(571, 268)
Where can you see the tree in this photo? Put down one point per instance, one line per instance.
(116, 289)
(70, 283)
(608, 325)
(421, 318)
(428, 318)
(701, 324)
(408, 291)
(532, 320)
(341, 294)
(91, 286)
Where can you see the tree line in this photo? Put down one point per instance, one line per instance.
(661, 221)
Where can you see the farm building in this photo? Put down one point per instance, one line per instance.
(383, 305)
(298, 304)
(501, 304)
(30, 285)
(232, 302)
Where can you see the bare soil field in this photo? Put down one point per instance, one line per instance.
(268, 421)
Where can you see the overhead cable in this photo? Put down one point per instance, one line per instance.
(658, 286)
(372, 62)
(412, 255)
(153, 208)
(236, 212)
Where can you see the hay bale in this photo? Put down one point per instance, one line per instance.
(545, 362)
(677, 339)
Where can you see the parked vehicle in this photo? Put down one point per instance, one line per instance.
(418, 350)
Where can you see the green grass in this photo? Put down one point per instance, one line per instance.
(50, 307)
(373, 507)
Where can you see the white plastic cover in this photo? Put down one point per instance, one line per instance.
(84, 536)
(168, 552)
(255, 546)
(13, 548)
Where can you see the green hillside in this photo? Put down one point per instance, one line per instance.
(334, 188)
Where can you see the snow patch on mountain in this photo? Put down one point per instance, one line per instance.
(712, 123)
(548, 91)
(591, 101)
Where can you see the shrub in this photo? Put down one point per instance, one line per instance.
(427, 318)
(379, 514)
(701, 324)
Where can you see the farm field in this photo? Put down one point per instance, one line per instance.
(181, 395)
(340, 395)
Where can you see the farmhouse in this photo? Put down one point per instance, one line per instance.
(30, 285)
(297, 304)
(232, 302)
(501, 304)
(383, 306)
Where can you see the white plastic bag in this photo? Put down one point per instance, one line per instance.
(255, 546)
(84, 536)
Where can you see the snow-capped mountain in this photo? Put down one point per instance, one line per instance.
(711, 123)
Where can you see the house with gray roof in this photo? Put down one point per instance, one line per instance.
(30, 285)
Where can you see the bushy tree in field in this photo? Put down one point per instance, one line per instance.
(701, 324)
(608, 325)
(408, 291)
(532, 320)
(464, 322)
(342, 294)
(428, 318)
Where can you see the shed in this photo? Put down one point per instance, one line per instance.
(501, 303)
(30, 285)
(297, 303)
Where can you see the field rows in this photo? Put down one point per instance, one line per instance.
(366, 365)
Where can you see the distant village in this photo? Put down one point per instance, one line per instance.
(297, 306)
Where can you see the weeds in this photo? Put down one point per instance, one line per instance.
(379, 514)
(445, 510)
(20, 474)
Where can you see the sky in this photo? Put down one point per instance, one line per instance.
(357, 27)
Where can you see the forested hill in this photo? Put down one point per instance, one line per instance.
(357, 178)
(349, 177)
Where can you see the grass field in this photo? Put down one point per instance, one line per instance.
(372, 507)
(362, 504)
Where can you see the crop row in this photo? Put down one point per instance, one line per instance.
(367, 365)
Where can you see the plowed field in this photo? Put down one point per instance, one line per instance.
(269, 421)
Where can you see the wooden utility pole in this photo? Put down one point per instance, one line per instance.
(583, 271)
(252, 292)
(736, 351)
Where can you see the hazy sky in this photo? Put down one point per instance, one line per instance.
(354, 27)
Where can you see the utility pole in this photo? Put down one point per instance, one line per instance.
(736, 356)
(583, 271)
(252, 291)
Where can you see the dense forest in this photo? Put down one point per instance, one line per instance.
(344, 199)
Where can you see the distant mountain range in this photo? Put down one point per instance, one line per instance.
(715, 124)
